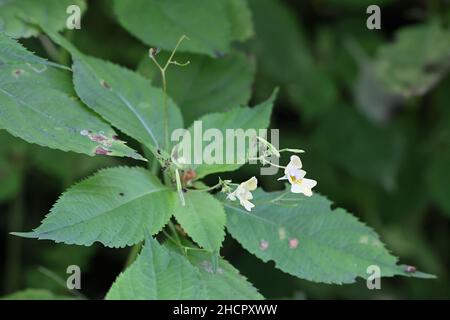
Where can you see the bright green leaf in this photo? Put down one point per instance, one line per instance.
(308, 239)
(237, 118)
(157, 274)
(38, 105)
(203, 218)
(115, 207)
(224, 284)
(122, 97)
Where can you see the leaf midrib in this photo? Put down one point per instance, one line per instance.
(100, 213)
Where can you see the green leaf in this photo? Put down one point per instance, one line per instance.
(206, 84)
(307, 239)
(37, 104)
(284, 58)
(18, 17)
(115, 207)
(224, 284)
(35, 294)
(237, 118)
(122, 97)
(240, 18)
(12, 159)
(203, 218)
(12, 52)
(157, 274)
(438, 178)
(410, 70)
(162, 23)
(361, 148)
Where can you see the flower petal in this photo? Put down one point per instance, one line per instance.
(296, 188)
(247, 205)
(251, 184)
(309, 183)
(296, 162)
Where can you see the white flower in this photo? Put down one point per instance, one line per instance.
(296, 177)
(243, 193)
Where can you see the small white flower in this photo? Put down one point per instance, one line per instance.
(296, 177)
(243, 193)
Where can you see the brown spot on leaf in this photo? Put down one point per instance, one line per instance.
(18, 72)
(105, 84)
(101, 151)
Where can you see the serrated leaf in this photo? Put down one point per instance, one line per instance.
(12, 52)
(157, 274)
(203, 218)
(243, 118)
(115, 207)
(122, 97)
(37, 104)
(240, 18)
(162, 23)
(308, 239)
(206, 84)
(18, 17)
(410, 70)
(226, 283)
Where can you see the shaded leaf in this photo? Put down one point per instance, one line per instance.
(162, 23)
(206, 84)
(412, 70)
(35, 294)
(18, 17)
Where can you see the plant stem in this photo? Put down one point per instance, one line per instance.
(166, 111)
(175, 232)
(134, 252)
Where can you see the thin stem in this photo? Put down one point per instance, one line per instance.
(219, 184)
(49, 47)
(163, 77)
(57, 279)
(175, 233)
(166, 111)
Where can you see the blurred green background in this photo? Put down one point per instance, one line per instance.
(370, 107)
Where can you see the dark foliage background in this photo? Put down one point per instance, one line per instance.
(375, 121)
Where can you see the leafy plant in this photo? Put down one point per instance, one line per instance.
(94, 107)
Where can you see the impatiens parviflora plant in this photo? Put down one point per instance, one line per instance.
(75, 110)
